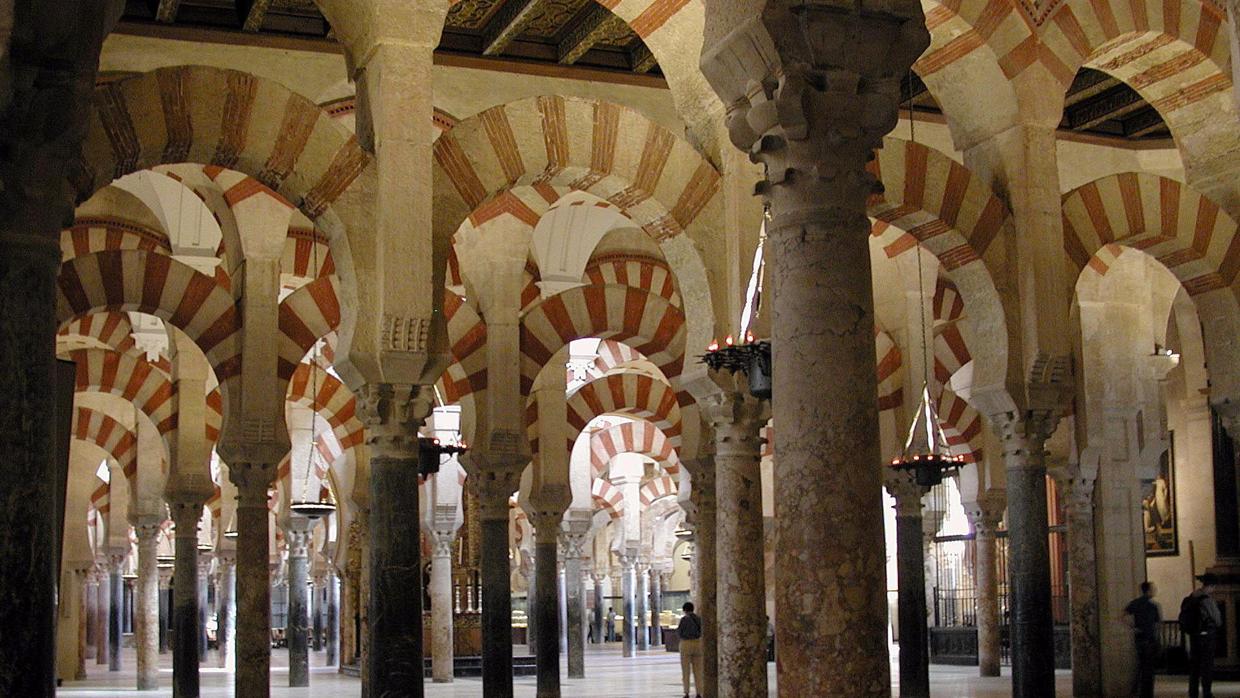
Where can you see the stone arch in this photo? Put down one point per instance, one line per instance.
(92, 426)
(630, 394)
(129, 378)
(962, 425)
(152, 283)
(639, 271)
(931, 200)
(306, 316)
(647, 322)
(93, 234)
(467, 335)
(613, 354)
(109, 328)
(607, 497)
(639, 436)
(1185, 232)
(657, 488)
(890, 376)
(333, 401)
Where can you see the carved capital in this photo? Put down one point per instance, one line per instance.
(298, 541)
(573, 544)
(986, 513)
(737, 418)
(392, 414)
(441, 542)
(903, 487)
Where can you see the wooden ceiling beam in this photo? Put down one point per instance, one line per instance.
(642, 59)
(1115, 103)
(597, 23)
(166, 11)
(1143, 123)
(255, 14)
(508, 23)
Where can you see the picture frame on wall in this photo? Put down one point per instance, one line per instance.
(1158, 507)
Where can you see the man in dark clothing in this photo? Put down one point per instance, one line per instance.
(1200, 619)
(1144, 616)
(690, 632)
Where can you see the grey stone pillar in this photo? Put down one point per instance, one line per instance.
(116, 606)
(496, 478)
(185, 639)
(204, 610)
(600, 611)
(165, 604)
(146, 592)
(226, 595)
(333, 619)
(394, 648)
(51, 58)
(628, 582)
(985, 516)
(442, 652)
(103, 604)
(740, 562)
(573, 538)
(705, 568)
(91, 610)
(911, 581)
(1077, 496)
(642, 597)
(656, 607)
(1029, 578)
(252, 678)
(810, 91)
(531, 617)
(298, 536)
(546, 610)
(561, 607)
(317, 589)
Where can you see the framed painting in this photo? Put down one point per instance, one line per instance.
(1158, 510)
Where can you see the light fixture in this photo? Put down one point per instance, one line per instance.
(926, 451)
(749, 357)
(431, 452)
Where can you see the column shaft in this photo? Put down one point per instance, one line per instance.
(656, 608)
(116, 606)
(1083, 600)
(226, 629)
(643, 606)
(316, 615)
(496, 605)
(204, 570)
(395, 638)
(333, 619)
(92, 615)
(253, 638)
(574, 587)
(442, 654)
(707, 575)
(987, 583)
(185, 600)
(547, 609)
(599, 611)
(911, 573)
(298, 591)
(531, 615)
(146, 628)
(628, 580)
(103, 602)
(165, 613)
(1029, 578)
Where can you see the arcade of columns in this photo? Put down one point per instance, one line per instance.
(354, 277)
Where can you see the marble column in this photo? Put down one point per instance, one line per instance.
(496, 481)
(80, 575)
(705, 569)
(600, 611)
(333, 619)
(911, 584)
(656, 607)
(226, 628)
(810, 91)
(103, 604)
(642, 599)
(574, 539)
(531, 618)
(316, 613)
(146, 627)
(1029, 579)
(252, 678)
(92, 614)
(740, 564)
(628, 607)
(116, 606)
(204, 574)
(394, 644)
(298, 536)
(442, 652)
(561, 607)
(1077, 496)
(985, 516)
(165, 604)
(546, 610)
(185, 517)
(51, 58)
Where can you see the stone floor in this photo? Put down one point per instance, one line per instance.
(654, 673)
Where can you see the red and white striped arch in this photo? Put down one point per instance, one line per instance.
(158, 285)
(962, 425)
(111, 329)
(632, 437)
(101, 498)
(130, 378)
(303, 249)
(657, 488)
(890, 376)
(93, 234)
(467, 335)
(304, 317)
(613, 152)
(650, 274)
(947, 304)
(92, 426)
(332, 400)
(612, 354)
(607, 497)
(648, 322)
(631, 394)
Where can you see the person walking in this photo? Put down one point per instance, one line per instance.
(610, 636)
(1144, 616)
(1200, 619)
(690, 632)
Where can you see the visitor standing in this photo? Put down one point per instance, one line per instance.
(1144, 615)
(1200, 619)
(690, 632)
(611, 625)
